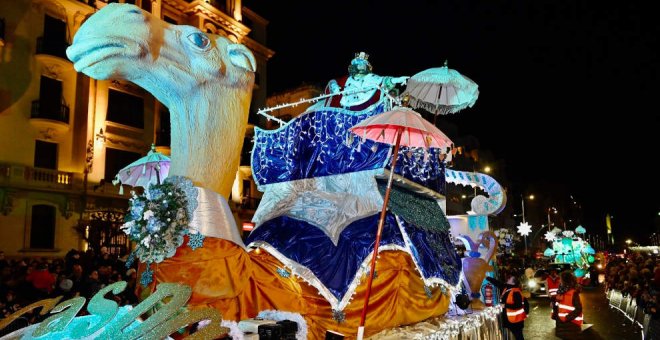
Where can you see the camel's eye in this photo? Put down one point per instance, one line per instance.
(200, 40)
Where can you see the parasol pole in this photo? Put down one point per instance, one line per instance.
(158, 173)
(378, 233)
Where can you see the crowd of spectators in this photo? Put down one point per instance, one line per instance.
(28, 280)
(638, 275)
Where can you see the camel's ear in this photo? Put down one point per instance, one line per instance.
(240, 56)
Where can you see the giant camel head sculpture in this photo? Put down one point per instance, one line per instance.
(205, 80)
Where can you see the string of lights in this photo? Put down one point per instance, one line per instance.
(264, 111)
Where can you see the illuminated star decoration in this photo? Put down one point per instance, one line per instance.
(147, 276)
(195, 241)
(283, 272)
(428, 292)
(524, 229)
(550, 236)
(338, 315)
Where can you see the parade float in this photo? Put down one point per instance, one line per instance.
(568, 246)
(335, 198)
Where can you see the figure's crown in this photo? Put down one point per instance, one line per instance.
(361, 55)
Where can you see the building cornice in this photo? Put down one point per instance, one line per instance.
(223, 20)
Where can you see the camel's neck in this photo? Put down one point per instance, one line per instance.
(207, 136)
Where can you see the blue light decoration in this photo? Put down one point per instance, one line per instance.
(319, 143)
(147, 276)
(195, 240)
(477, 222)
(283, 273)
(428, 292)
(549, 252)
(579, 272)
(573, 250)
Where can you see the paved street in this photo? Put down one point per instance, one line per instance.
(607, 323)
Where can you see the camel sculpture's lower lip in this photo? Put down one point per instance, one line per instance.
(84, 55)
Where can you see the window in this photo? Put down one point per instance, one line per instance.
(163, 135)
(45, 155)
(116, 160)
(50, 105)
(246, 188)
(146, 5)
(2, 31)
(42, 228)
(53, 41)
(125, 109)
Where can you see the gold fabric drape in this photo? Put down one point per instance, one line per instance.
(240, 284)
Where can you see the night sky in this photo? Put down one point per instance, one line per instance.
(568, 92)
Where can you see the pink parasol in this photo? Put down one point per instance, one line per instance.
(415, 130)
(400, 126)
(150, 169)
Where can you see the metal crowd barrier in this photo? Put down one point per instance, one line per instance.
(628, 307)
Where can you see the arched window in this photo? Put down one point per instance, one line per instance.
(42, 230)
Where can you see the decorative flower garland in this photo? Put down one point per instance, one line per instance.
(157, 221)
(506, 240)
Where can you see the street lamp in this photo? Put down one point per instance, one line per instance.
(536, 233)
(487, 169)
(628, 241)
(522, 199)
(549, 209)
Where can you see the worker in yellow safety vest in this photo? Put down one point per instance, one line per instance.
(567, 309)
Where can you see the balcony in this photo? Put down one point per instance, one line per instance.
(59, 114)
(25, 176)
(55, 118)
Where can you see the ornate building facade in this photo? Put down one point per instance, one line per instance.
(64, 136)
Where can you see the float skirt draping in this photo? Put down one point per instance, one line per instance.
(240, 284)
